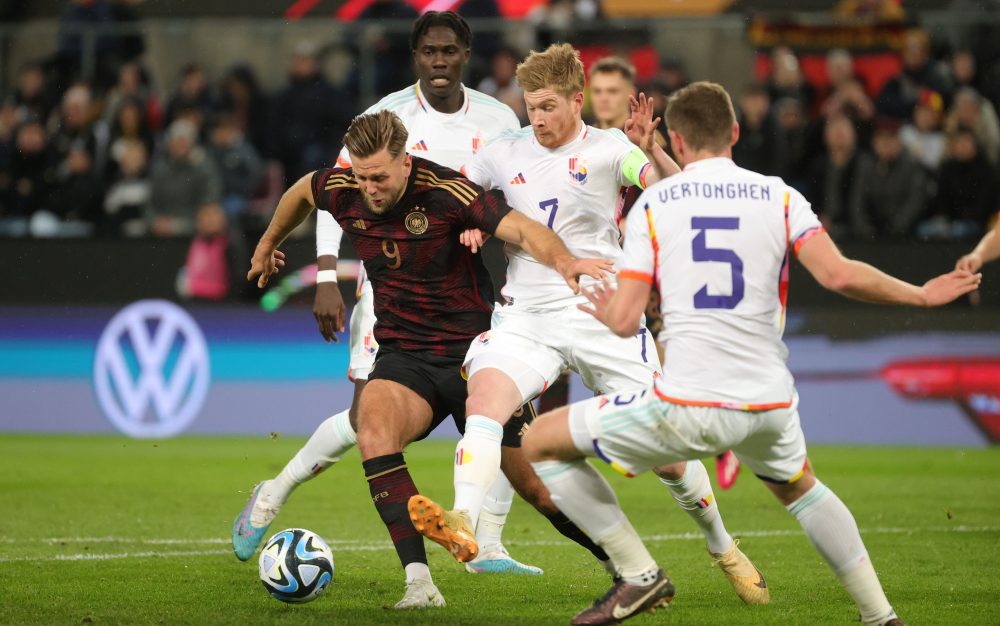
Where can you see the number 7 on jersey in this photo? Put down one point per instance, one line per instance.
(545, 205)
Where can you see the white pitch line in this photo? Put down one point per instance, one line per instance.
(351, 546)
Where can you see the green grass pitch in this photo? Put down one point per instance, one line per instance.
(106, 530)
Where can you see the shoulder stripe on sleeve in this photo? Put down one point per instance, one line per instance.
(461, 195)
(340, 180)
(459, 189)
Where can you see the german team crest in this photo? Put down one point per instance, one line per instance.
(578, 170)
(416, 221)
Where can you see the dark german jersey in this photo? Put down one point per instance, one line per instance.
(431, 293)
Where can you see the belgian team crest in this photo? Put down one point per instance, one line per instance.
(578, 170)
(416, 221)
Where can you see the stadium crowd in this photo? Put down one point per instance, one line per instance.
(917, 157)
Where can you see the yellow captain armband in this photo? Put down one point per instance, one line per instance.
(634, 167)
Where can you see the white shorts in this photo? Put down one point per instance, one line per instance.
(543, 343)
(634, 431)
(362, 341)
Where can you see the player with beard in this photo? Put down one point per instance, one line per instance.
(447, 122)
(432, 297)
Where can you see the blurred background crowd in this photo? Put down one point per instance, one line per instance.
(903, 143)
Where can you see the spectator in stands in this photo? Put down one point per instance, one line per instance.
(242, 97)
(923, 136)
(838, 179)
(896, 196)
(184, 179)
(238, 163)
(31, 176)
(964, 69)
(502, 82)
(75, 125)
(31, 95)
(127, 210)
(128, 124)
(966, 192)
(133, 84)
(787, 80)
(76, 197)
(192, 94)
(839, 71)
(972, 111)
(755, 149)
(308, 117)
(791, 142)
(215, 257)
(851, 99)
(900, 94)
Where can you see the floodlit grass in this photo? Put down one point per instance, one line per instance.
(106, 530)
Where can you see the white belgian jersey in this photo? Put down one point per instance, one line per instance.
(448, 139)
(716, 238)
(573, 189)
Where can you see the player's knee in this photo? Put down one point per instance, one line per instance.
(788, 493)
(376, 440)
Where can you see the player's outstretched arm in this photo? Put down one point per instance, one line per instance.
(619, 309)
(640, 128)
(861, 281)
(294, 207)
(987, 250)
(548, 249)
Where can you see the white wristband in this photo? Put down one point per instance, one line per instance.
(326, 276)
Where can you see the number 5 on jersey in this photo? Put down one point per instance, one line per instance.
(701, 253)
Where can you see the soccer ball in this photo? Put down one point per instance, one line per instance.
(296, 565)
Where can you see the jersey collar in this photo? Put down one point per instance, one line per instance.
(712, 163)
(427, 108)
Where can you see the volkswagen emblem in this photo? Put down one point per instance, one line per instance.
(151, 369)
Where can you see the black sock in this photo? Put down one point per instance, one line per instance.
(568, 529)
(391, 487)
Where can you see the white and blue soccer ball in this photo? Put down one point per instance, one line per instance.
(296, 565)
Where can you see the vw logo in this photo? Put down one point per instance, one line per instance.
(151, 370)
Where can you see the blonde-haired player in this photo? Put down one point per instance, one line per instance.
(717, 240)
(567, 175)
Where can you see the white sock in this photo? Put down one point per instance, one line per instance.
(493, 514)
(832, 530)
(477, 463)
(417, 571)
(693, 493)
(327, 444)
(585, 497)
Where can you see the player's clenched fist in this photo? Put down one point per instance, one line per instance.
(265, 262)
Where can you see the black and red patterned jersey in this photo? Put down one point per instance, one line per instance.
(431, 293)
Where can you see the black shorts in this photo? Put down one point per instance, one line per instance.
(438, 380)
